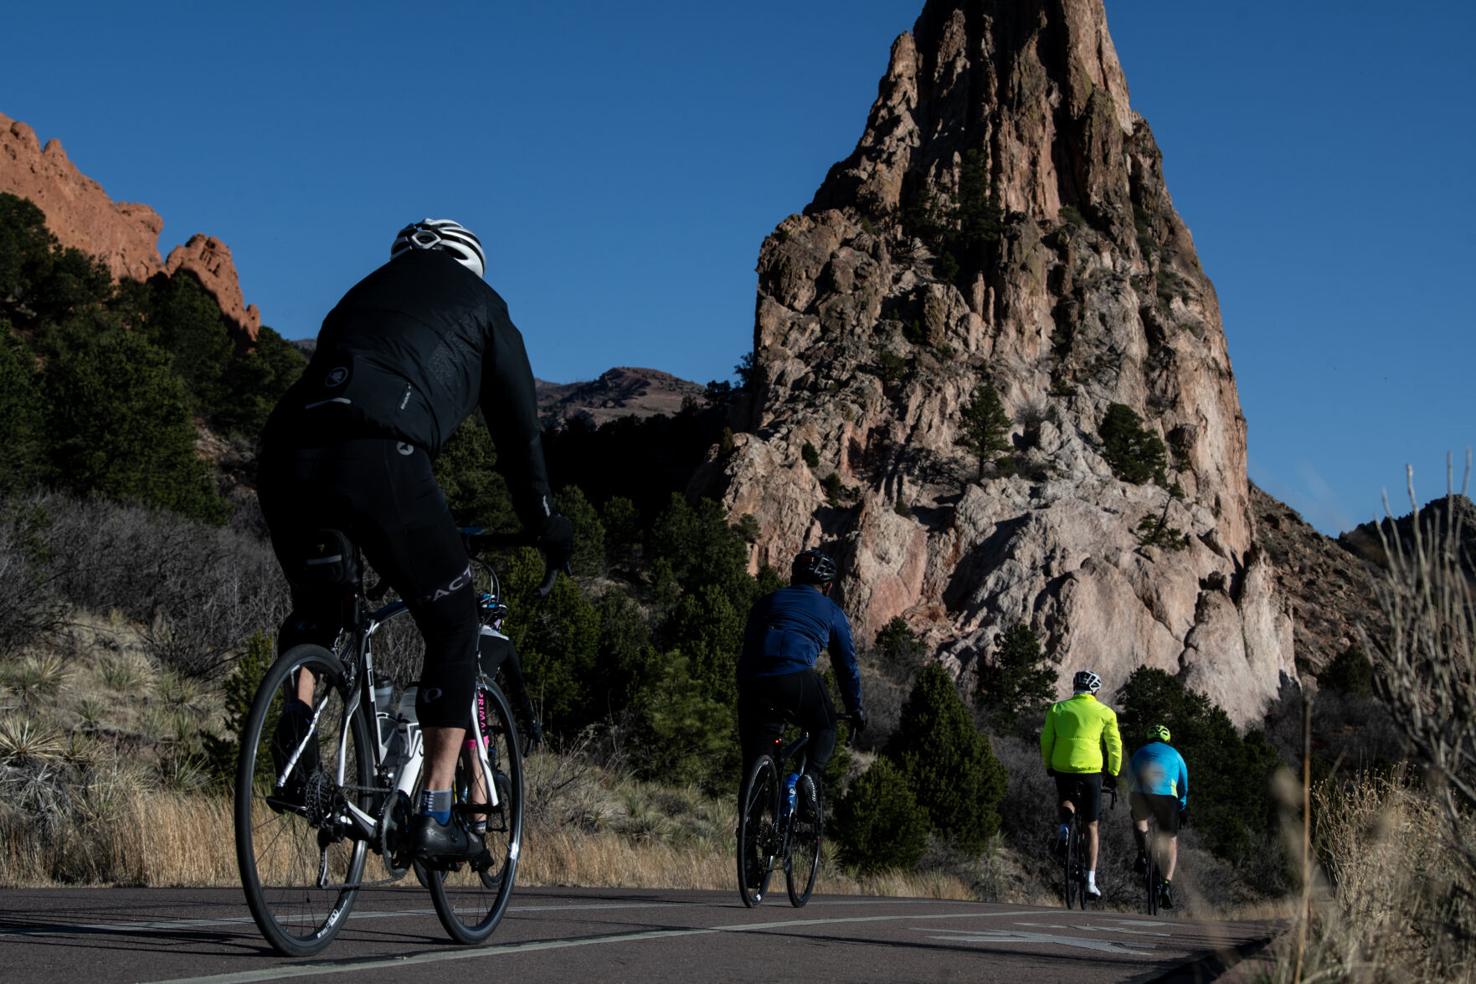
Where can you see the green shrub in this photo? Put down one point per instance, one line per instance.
(948, 762)
(1134, 453)
(1349, 672)
(811, 456)
(879, 824)
(21, 413)
(221, 751)
(898, 650)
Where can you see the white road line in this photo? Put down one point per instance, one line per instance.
(288, 971)
(57, 927)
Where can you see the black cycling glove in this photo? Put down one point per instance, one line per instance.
(557, 542)
(858, 719)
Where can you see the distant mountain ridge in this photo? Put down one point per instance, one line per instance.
(625, 391)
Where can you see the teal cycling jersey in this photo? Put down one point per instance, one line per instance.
(1159, 770)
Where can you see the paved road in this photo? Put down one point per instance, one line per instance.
(100, 936)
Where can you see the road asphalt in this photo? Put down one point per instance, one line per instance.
(101, 936)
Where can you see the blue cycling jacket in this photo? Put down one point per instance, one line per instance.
(1159, 770)
(787, 630)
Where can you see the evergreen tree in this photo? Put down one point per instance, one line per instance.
(985, 427)
(948, 762)
(117, 420)
(1229, 775)
(1019, 682)
(20, 414)
(1134, 453)
(898, 650)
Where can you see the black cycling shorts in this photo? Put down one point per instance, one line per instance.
(381, 494)
(1083, 789)
(766, 703)
(1164, 809)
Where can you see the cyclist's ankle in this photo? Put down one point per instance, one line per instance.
(436, 803)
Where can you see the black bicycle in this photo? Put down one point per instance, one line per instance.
(1074, 857)
(1151, 868)
(329, 769)
(779, 822)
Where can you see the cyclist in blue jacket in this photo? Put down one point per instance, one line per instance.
(777, 679)
(1160, 790)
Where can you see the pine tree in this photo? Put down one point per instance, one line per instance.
(1134, 453)
(948, 762)
(1019, 681)
(985, 427)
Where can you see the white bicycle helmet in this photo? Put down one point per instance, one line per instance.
(446, 235)
(1086, 682)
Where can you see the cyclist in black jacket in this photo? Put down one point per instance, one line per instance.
(407, 354)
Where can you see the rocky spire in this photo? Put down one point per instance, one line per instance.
(123, 235)
(1004, 217)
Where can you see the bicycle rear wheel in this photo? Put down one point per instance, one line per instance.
(758, 830)
(1150, 876)
(471, 898)
(298, 855)
(1068, 867)
(805, 827)
(1080, 870)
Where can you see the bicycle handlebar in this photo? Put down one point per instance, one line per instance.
(479, 539)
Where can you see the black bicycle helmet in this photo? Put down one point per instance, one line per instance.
(812, 566)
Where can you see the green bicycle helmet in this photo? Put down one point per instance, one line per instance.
(1158, 733)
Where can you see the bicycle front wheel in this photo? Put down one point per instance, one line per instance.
(470, 898)
(804, 843)
(300, 764)
(758, 830)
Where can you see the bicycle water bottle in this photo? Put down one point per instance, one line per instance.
(384, 717)
(791, 792)
(400, 743)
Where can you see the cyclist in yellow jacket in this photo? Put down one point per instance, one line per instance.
(1071, 743)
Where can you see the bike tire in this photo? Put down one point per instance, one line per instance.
(1150, 877)
(805, 837)
(758, 829)
(471, 898)
(299, 867)
(1069, 865)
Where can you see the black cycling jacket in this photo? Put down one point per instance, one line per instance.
(409, 353)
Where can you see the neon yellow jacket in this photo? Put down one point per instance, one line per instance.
(1074, 733)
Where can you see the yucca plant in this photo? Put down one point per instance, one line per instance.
(24, 740)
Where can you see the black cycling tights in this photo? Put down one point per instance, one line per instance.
(382, 495)
(765, 703)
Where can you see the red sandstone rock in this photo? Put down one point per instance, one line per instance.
(123, 235)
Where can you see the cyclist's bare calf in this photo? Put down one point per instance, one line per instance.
(1091, 831)
(1172, 859)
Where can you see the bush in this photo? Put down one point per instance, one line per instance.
(21, 414)
(1350, 672)
(1134, 453)
(948, 762)
(878, 823)
(811, 456)
(898, 650)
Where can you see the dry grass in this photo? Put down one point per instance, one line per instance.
(1388, 903)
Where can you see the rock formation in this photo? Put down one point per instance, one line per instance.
(1004, 217)
(123, 235)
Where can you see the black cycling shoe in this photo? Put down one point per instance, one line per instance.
(1140, 866)
(439, 844)
(1165, 895)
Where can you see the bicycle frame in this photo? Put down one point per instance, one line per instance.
(360, 663)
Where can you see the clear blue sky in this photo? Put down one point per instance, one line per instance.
(624, 161)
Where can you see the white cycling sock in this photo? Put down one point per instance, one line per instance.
(1092, 878)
